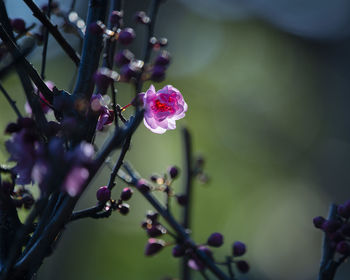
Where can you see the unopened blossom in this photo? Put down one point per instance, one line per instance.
(43, 101)
(163, 108)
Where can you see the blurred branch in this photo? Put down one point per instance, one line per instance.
(37, 12)
(46, 41)
(153, 10)
(92, 48)
(8, 39)
(12, 102)
(328, 266)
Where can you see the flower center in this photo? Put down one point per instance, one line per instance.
(161, 107)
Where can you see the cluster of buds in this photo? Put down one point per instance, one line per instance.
(337, 229)
(103, 196)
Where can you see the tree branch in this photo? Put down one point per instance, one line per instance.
(37, 12)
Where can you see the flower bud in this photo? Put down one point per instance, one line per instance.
(163, 42)
(153, 216)
(182, 199)
(123, 57)
(126, 194)
(318, 221)
(238, 249)
(127, 72)
(178, 251)
(216, 239)
(343, 248)
(103, 194)
(158, 73)
(163, 59)
(242, 266)
(330, 226)
(141, 17)
(143, 186)
(18, 25)
(96, 28)
(115, 17)
(126, 36)
(154, 246)
(173, 172)
(12, 128)
(155, 230)
(345, 229)
(124, 208)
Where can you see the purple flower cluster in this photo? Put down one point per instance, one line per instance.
(47, 164)
(337, 229)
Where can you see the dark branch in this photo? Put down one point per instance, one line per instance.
(154, 7)
(12, 102)
(92, 48)
(328, 265)
(180, 231)
(38, 13)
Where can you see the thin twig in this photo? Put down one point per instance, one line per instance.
(153, 10)
(12, 102)
(180, 230)
(26, 65)
(46, 41)
(119, 163)
(37, 12)
(185, 270)
(328, 265)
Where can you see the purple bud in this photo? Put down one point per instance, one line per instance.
(153, 216)
(216, 239)
(115, 17)
(345, 229)
(103, 79)
(318, 221)
(124, 208)
(154, 178)
(154, 246)
(181, 199)
(155, 230)
(103, 194)
(242, 266)
(18, 25)
(163, 59)
(12, 128)
(158, 73)
(178, 251)
(238, 249)
(206, 251)
(343, 248)
(123, 57)
(96, 28)
(26, 123)
(141, 17)
(126, 194)
(330, 226)
(173, 172)
(127, 72)
(143, 186)
(336, 236)
(126, 36)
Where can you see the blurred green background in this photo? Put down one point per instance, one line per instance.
(267, 109)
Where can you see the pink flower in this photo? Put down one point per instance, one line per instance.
(163, 108)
